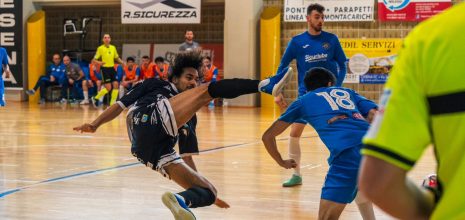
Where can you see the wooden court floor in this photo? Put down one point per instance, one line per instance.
(48, 171)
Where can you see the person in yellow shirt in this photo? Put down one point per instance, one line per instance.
(423, 104)
(105, 56)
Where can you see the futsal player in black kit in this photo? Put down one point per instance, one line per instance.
(157, 109)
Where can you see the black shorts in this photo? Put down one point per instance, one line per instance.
(153, 133)
(108, 74)
(188, 144)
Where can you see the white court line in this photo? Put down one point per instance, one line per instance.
(310, 166)
(64, 136)
(67, 145)
(22, 181)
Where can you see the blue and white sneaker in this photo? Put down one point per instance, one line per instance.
(177, 206)
(275, 85)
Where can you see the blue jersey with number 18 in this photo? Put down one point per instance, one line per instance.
(337, 114)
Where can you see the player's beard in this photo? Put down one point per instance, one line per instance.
(317, 27)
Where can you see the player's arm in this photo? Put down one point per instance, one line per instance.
(114, 110)
(137, 75)
(215, 75)
(341, 60)
(109, 114)
(97, 57)
(366, 107)
(388, 187)
(292, 114)
(81, 73)
(269, 140)
(124, 79)
(118, 59)
(5, 65)
(7, 71)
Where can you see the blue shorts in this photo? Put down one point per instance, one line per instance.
(341, 181)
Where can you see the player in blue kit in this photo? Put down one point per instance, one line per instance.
(3, 67)
(313, 48)
(341, 118)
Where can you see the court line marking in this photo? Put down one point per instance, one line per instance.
(114, 168)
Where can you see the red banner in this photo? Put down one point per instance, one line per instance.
(410, 10)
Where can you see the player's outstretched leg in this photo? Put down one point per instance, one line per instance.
(186, 104)
(274, 85)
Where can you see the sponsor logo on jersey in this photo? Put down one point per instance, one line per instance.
(144, 118)
(316, 57)
(306, 45)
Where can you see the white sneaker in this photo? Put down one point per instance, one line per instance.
(275, 84)
(177, 207)
(84, 102)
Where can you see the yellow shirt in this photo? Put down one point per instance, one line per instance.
(424, 103)
(108, 55)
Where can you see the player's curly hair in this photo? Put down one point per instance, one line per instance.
(185, 60)
(318, 77)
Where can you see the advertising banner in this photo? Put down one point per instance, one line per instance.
(11, 33)
(410, 10)
(370, 60)
(160, 11)
(336, 10)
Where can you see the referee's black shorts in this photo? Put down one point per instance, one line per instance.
(108, 74)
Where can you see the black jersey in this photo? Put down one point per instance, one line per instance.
(147, 92)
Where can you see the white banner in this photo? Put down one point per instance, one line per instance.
(160, 11)
(336, 10)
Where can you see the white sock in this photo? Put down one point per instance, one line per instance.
(294, 152)
(86, 95)
(121, 91)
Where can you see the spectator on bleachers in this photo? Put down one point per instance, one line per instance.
(93, 78)
(55, 75)
(210, 71)
(189, 44)
(161, 69)
(146, 68)
(75, 77)
(131, 74)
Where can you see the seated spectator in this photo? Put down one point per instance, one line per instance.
(119, 72)
(146, 68)
(55, 75)
(131, 74)
(161, 69)
(75, 77)
(93, 79)
(210, 71)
